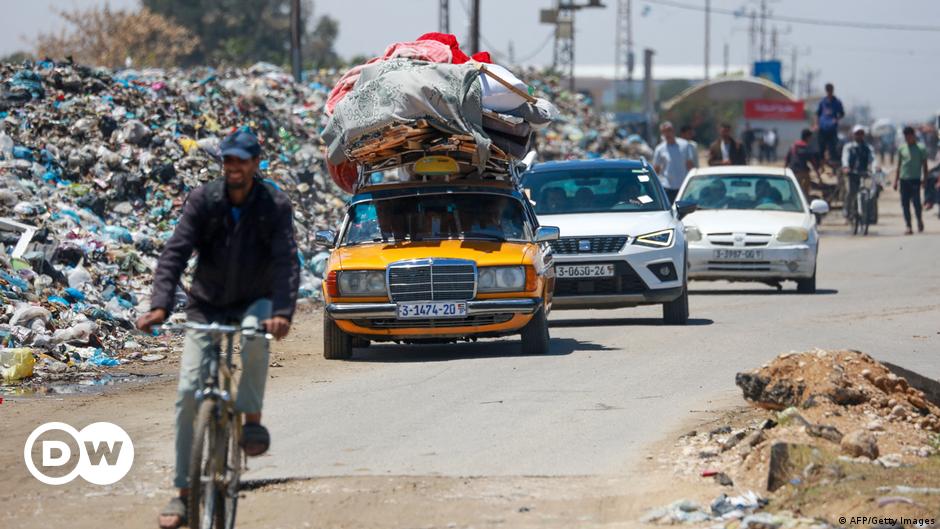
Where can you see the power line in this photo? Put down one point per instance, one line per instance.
(800, 20)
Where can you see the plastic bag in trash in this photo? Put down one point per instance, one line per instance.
(16, 364)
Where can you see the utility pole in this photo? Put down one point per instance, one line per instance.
(649, 95)
(475, 26)
(773, 43)
(624, 59)
(726, 58)
(443, 23)
(563, 19)
(708, 9)
(752, 33)
(763, 30)
(295, 58)
(793, 70)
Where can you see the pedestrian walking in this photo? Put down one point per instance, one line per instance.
(770, 145)
(800, 158)
(672, 160)
(911, 174)
(725, 150)
(687, 133)
(828, 114)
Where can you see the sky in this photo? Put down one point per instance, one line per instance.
(888, 69)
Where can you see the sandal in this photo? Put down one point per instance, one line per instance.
(177, 507)
(255, 439)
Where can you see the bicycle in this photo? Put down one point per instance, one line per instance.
(865, 210)
(217, 459)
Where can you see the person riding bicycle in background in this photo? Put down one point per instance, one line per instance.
(247, 271)
(800, 158)
(911, 175)
(858, 160)
(828, 114)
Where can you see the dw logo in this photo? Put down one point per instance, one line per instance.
(105, 453)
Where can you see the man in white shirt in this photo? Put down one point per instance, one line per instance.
(672, 160)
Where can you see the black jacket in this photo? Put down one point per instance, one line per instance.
(735, 153)
(237, 263)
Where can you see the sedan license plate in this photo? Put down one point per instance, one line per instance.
(432, 309)
(579, 271)
(739, 255)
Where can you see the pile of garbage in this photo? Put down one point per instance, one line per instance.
(95, 166)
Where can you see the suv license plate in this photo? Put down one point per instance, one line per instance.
(579, 271)
(432, 309)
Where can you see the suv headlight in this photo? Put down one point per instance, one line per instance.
(501, 278)
(361, 282)
(657, 239)
(693, 234)
(793, 234)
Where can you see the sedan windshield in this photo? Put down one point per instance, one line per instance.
(436, 217)
(743, 191)
(593, 191)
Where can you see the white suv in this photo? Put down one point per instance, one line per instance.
(621, 244)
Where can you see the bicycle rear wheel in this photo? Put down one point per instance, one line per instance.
(864, 213)
(206, 498)
(233, 468)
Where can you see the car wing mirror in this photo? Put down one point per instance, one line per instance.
(819, 207)
(547, 233)
(325, 238)
(684, 207)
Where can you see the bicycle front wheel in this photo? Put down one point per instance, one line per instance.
(207, 469)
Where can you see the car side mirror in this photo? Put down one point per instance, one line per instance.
(819, 207)
(547, 233)
(684, 207)
(325, 238)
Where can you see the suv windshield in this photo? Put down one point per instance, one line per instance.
(435, 217)
(743, 191)
(593, 191)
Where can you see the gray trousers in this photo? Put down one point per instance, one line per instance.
(194, 366)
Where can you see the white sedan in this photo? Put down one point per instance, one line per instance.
(752, 224)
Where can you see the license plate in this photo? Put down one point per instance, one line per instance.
(432, 309)
(579, 271)
(739, 255)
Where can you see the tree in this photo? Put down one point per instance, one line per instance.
(242, 31)
(318, 48)
(105, 37)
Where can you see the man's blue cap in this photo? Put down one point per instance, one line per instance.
(241, 144)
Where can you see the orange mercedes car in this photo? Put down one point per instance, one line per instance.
(437, 262)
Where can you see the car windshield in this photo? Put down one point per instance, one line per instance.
(559, 192)
(743, 191)
(435, 217)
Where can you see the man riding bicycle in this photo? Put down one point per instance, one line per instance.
(858, 161)
(247, 272)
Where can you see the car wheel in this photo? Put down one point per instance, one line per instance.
(676, 312)
(337, 345)
(535, 339)
(807, 285)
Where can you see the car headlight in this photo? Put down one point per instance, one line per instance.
(693, 234)
(361, 283)
(793, 234)
(501, 278)
(657, 239)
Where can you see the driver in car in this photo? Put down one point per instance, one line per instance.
(715, 196)
(630, 194)
(765, 193)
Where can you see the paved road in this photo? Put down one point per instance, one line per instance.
(615, 381)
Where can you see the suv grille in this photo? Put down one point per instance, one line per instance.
(432, 280)
(572, 245)
(624, 281)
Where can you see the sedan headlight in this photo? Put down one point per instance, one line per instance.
(361, 283)
(793, 234)
(657, 239)
(501, 279)
(693, 234)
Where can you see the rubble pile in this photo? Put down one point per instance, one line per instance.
(95, 166)
(819, 418)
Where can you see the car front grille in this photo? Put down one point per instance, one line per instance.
(739, 266)
(624, 281)
(749, 240)
(573, 245)
(432, 280)
(469, 321)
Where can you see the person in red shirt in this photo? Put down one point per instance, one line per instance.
(800, 158)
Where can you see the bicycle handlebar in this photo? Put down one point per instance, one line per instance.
(215, 328)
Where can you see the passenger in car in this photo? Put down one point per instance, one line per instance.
(584, 198)
(553, 200)
(765, 193)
